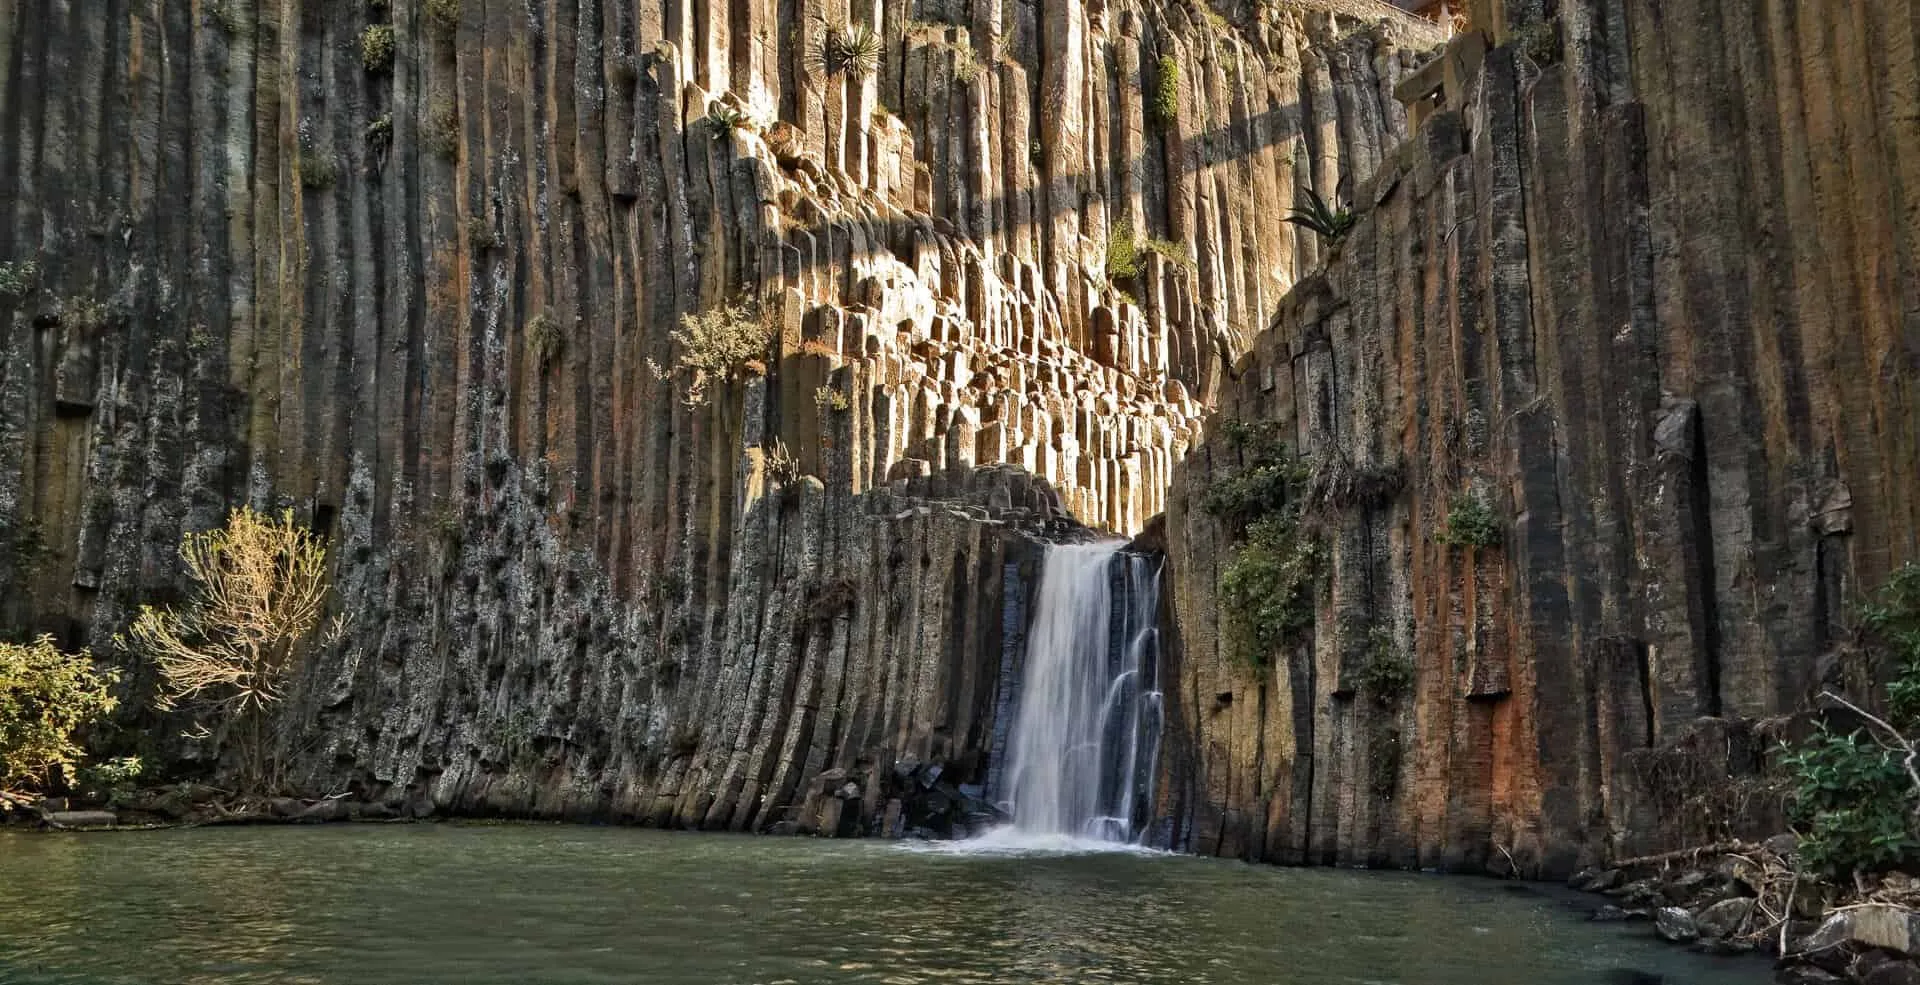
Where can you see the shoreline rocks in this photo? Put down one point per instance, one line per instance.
(1742, 898)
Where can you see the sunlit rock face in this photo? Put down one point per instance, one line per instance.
(1643, 284)
(426, 300)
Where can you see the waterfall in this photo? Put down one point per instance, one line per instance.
(1085, 742)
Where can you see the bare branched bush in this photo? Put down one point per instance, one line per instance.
(230, 650)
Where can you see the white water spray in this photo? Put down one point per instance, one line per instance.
(1085, 739)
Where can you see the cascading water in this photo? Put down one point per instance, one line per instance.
(1085, 741)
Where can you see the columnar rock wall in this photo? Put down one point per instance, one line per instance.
(1646, 281)
(420, 287)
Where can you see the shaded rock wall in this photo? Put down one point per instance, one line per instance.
(1646, 281)
(426, 302)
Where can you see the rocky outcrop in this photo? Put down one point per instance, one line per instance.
(412, 270)
(1642, 285)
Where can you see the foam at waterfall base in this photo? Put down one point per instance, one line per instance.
(1010, 841)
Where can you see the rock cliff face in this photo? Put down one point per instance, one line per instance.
(412, 268)
(1645, 283)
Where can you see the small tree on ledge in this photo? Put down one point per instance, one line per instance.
(230, 650)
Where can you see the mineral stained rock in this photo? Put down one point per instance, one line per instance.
(1644, 285)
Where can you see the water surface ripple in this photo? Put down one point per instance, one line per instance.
(445, 904)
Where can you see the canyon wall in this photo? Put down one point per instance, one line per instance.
(1645, 285)
(413, 270)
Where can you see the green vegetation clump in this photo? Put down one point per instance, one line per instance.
(1470, 523)
(1126, 253)
(1268, 482)
(480, 235)
(1267, 588)
(1854, 796)
(1268, 583)
(46, 696)
(443, 131)
(546, 340)
(719, 342)
(376, 47)
(318, 170)
(1123, 254)
(1163, 103)
(443, 17)
(1330, 222)
(18, 279)
(1387, 674)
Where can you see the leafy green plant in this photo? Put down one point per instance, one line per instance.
(318, 170)
(1267, 584)
(1267, 588)
(1855, 796)
(1269, 480)
(1470, 523)
(851, 50)
(443, 17)
(45, 697)
(1852, 799)
(442, 131)
(18, 279)
(1163, 103)
(1170, 251)
(1330, 222)
(376, 47)
(546, 340)
(1123, 255)
(481, 236)
(717, 343)
(1387, 673)
(110, 782)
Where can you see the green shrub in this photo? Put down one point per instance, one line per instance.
(1470, 523)
(1267, 589)
(1852, 795)
(1388, 673)
(1163, 104)
(1267, 584)
(443, 17)
(18, 279)
(1852, 800)
(1170, 251)
(1269, 480)
(110, 782)
(718, 342)
(480, 235)
(318, 170)
(1123, 254)
(545, 339)
(376, 47)
(443, 131)
(45, 697)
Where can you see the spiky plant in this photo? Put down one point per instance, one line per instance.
(1329, 221)
(850, 50)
